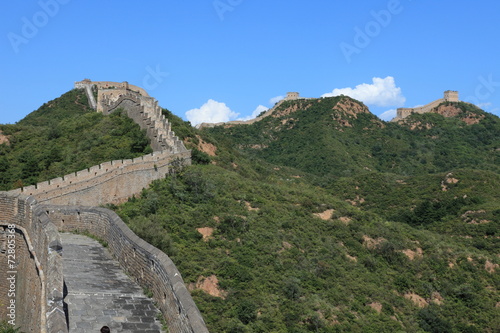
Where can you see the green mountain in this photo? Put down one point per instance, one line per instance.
(338, 136)
(323, 218)
(64, 136)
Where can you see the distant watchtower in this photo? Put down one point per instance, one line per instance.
(290, 96)
(451, 96)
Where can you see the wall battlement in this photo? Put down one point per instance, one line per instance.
(110, 182)
(142, 108)
(449, 96)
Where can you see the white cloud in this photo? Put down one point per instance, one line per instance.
(382, 92)
(388, 115)
(276, 99)
(210, 112)
(255, 113)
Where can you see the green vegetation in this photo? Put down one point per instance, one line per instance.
(326, 219)
(65, 136)
(5, 327)
(312, 136)
(283, 269)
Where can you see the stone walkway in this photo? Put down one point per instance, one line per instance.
(99, 293)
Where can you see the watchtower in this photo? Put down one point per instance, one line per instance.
(290, 96)
(451, 96)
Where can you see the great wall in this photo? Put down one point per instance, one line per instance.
(449, 96)
(35, 215)
(401, 113)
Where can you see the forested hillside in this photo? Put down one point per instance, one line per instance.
(64, 136)
(322, 218)
(319, 218)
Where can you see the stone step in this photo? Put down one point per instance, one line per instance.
(99, 293)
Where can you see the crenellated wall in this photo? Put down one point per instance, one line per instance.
(111, 182)
(146, 112)
(142, 108)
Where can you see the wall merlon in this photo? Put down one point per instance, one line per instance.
(75, 187)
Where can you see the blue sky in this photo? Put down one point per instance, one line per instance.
(217, 60)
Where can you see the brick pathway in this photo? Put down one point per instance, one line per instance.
(99, 293)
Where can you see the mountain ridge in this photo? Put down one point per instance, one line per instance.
(313, 225)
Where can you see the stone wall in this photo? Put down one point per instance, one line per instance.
(449, 96)
(110, 182)
(142, 108)
(405, 112)
(37, 269)
(149, 266)
(39, 279)
(146, 112)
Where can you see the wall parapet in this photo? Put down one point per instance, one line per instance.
(149, 266)
(39, 284)
(109, 182)
(142, 108)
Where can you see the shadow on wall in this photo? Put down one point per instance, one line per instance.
(149, 266)
(41, 273)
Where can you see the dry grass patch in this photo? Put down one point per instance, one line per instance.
(206, 232)
(412, 255)
(376, 306)
(4, 139)
(416, 299)
(437, 298)
(344, 219)
(210, 285)
(249, 206)
(490, 267)
(326, 215)
(371, 243)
